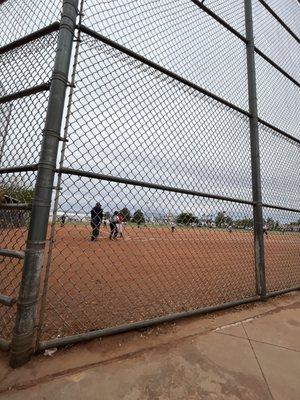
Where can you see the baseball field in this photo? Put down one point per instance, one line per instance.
(148, 273)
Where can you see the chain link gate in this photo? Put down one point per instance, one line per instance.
(162, 127)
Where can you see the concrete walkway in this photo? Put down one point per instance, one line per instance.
(250, 352)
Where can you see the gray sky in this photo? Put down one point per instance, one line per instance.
(128, 120)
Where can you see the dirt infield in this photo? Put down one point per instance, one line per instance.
(152, 272)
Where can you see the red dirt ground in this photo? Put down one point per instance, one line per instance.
(149, 273)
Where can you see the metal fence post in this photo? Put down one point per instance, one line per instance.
(22, 345)
(59, 181)
(255, 156)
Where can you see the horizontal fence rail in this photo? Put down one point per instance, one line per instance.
(159, 68)
(111, 178)
(29, 38)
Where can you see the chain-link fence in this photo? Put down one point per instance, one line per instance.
(197, 181)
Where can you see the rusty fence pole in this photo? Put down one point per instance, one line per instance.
(255, 156)
(22, 345)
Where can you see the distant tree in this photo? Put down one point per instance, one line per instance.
(16, 194)
(186, 218)
(229, 220)
(22, 194)
(223, 219)
(270, 223)
(138, 217)
(126, 213)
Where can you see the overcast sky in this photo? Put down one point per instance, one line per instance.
(129, 120)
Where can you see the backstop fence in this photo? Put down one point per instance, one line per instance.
(182, 119)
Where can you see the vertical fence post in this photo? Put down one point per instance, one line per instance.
(255, 156)
(22, 345)
(59, 182)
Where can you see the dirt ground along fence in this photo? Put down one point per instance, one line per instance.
(149, 163)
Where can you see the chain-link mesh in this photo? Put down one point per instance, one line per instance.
(20, 18)
(22, 137)
(150, 271)
(16, 187)
(21, 125)
(32, 64)
(10, 283)
(130, 121)
(231, 11)
(179, 36)
(151, 135)
(279, 104)
(135, 122)
(273, 39)
(280, 160)
(20, 187)
(288, 11)
(282, 243)
(20, 146)
(278, 98)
